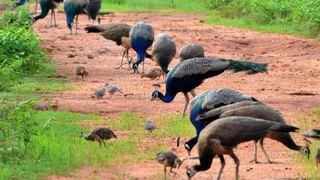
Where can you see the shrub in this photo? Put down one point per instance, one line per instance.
(20, 50)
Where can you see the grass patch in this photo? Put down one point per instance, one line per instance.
(56, 148)
(286, 17)
(307, 122)
(151, 6)
(167, 125)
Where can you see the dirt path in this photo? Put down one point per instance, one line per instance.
(294, 65)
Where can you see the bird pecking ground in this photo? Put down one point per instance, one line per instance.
(291, 86)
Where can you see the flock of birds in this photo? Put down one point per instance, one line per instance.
(223, 118)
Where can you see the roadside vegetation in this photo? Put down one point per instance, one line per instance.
(307, 122)
(35, 144)
(282, 16)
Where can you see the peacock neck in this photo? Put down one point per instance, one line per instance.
(195, 111)
(205, 160)
(141, 56)
(167, 98)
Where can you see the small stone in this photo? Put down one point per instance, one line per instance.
(71, 56)
(90, 56)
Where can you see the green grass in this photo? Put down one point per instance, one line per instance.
(285, 17)
(307, 122)
(31, 87)
(57, 148)
(151, 6)
(284, 28)
(167, 125)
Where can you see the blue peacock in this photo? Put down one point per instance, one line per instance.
(210, 100)
(73, 8)
(46, 6)
(141, 38)
(19, 3)
(189, 74)
(163, 51)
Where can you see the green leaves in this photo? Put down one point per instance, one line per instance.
(20, 49)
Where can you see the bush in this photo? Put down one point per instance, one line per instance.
(17, 128)
(303, 14)
(20, 50)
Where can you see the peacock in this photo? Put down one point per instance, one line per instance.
(189, 74)
(19, 3)
(255, 110)
(93, 9)
(222, 135)
(73, 8)
(117, 32)
(163, 51)
(46, 6)
(141, 38)
(191, 51)
(207, 101)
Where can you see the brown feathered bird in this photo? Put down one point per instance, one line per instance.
(221, 136)
(168, 159)
(261, 111)
(81, 71)
(101, 134)
(116, 32)
(153, 73)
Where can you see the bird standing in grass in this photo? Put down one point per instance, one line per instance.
(149, 126)
(163, 51)
(191, 73)
(222, 135)
(207, 101)
(168, 159)
(256, 110)
(101, 134)
(73, 8)
(46, 6)
(116, 32)
(141, 38)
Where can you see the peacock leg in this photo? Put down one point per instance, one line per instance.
(51, 17)
(193, 93)
(236, 160)
(264, 151)
(165, 172)
(77, 23)
(36, 7)
(255, 155)
(186, 105)
(54, 18)
(223, 163)
(123, 54)
(143, 67)
(128, 59)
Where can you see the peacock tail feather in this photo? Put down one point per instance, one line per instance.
(251, 67)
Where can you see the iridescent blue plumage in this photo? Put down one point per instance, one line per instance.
(189, 74)
(141, 38)
(46, 6)
(73, 8)
(20, 3)
(210, 100)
